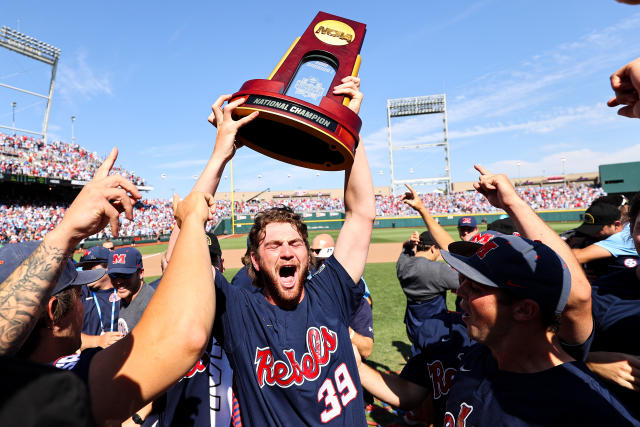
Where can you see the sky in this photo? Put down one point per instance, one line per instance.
(526, 83)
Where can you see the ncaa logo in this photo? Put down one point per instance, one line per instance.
(630, 262)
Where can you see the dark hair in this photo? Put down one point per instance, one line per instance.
(548, 317)
(634, 209)
(423, 247)
(258, 231)
(65, 301)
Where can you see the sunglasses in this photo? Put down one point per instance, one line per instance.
(124, 276)
(316, 251)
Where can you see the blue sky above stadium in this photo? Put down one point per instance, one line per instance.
(525, 82)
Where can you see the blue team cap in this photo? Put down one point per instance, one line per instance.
(522, 267)
(94, 255)
(12, 255)
(124, 260)
(467, 221)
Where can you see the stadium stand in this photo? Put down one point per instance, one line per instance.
(29, 216)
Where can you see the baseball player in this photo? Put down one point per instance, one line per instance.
(424, 281)
(467, 228)
(127, 274)
(288, 344)
(101, 302)
(516, 293)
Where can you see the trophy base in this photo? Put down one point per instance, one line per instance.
(321, 137)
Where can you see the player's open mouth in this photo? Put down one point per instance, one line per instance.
(287, 275)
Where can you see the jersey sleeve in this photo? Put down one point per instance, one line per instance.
(362, 321)
(332, 282)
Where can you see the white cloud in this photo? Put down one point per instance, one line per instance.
(78, 79)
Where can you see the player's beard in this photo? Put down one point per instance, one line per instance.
(284, 298)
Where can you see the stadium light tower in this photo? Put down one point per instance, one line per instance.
(73, 138)
(13, 114)
(40, 51)
(430, 104)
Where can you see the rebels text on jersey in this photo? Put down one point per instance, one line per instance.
(293, 367)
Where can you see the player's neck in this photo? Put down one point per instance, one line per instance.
(529, 352)
(50, 348)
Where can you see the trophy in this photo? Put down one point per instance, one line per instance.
(301, 122)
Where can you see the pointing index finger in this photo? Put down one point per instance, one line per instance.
(482, 170)
(105, 167)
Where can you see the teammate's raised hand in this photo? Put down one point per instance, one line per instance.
(350, 87)
(496, 188)
(412, 198)
(227, 127)
(626, 84)
(100, 203)
(196, 205)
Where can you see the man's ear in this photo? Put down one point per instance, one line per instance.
(254, 261)
(51, 309)
(525, 310)
(618, 225)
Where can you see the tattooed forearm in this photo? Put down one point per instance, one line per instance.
(23, 295)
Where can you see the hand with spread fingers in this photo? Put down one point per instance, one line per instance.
(496, 188)
(220, 117)
(350, 87)
(626, 84)
(100, 202)
(196, 205)
(412, 198)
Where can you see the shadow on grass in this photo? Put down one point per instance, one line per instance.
(403, 348)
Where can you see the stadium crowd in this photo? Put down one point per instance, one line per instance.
(21, 221)
(24, 155)
(544, 337)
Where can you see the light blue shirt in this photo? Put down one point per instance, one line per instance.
(619, 244)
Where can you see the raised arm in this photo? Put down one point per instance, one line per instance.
(223, 151)
(173, 331)
(576, 322)
(22, 294)
(440, 235)
(352, 246)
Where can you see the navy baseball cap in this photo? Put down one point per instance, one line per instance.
(124, 260)
(522, 267)
(12, 255)
(427, 239)
(94, 255)
(467, 221)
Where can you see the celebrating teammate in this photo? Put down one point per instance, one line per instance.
(175, 326)
(288, 338)
(516, 292)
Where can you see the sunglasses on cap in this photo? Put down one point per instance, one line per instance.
(124, 276)
(316, 251)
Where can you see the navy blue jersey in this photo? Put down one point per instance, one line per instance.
(417, 312)
(441, 341)
(362, 321)
(102, 317)
(242, 279)
(202, 398)
(567, 394)
(293, 367)
(616, 308)
(77, 363)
